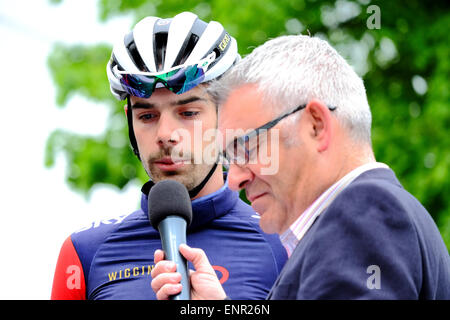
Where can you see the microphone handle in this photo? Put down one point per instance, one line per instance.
(173, 233)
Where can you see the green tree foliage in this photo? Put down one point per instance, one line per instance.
(404, 62)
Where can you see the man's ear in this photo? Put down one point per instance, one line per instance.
(321, 123)
(125, 108)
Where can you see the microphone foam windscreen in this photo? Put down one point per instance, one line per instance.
(168, 198)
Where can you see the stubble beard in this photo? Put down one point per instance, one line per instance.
(190, 175)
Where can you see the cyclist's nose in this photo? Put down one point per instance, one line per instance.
(167, 131)
(239, 177)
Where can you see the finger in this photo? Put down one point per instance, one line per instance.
(165, 278)
(158, 255)
(163, 266)
(168, 290)
(197, 257)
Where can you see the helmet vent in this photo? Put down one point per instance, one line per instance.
(160, 49)
(134, 53)
(115, 63)
(186, 51)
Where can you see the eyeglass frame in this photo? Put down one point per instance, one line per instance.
(267, 126)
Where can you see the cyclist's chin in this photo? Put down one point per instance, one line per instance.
(188, 175)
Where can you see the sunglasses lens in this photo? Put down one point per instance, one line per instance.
(178, 81)
(185, 79)
(173, 80)
(137, 85)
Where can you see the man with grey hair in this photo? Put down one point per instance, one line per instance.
(350, 229)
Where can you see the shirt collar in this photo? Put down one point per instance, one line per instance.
(292, 236)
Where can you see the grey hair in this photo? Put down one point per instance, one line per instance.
(292, 70)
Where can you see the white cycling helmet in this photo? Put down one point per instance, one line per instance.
(157, 46)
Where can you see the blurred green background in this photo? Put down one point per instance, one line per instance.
(400, 49)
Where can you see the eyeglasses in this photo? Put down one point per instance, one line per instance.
(241, 150)
(178, 79)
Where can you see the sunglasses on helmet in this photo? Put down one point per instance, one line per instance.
(178, 79)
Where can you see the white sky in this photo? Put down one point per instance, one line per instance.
(38, 210)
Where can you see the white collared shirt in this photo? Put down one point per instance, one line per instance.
(292, 236)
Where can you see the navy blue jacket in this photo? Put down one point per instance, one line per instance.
(375, 241)
(113, 259)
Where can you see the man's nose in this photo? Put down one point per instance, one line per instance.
(239, 177)
(167, 131)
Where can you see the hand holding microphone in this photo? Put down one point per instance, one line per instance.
(170, 211)
(204, 282)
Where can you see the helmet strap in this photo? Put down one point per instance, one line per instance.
(193, 192)
(130, 128)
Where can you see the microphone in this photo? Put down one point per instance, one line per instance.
(170, 211)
